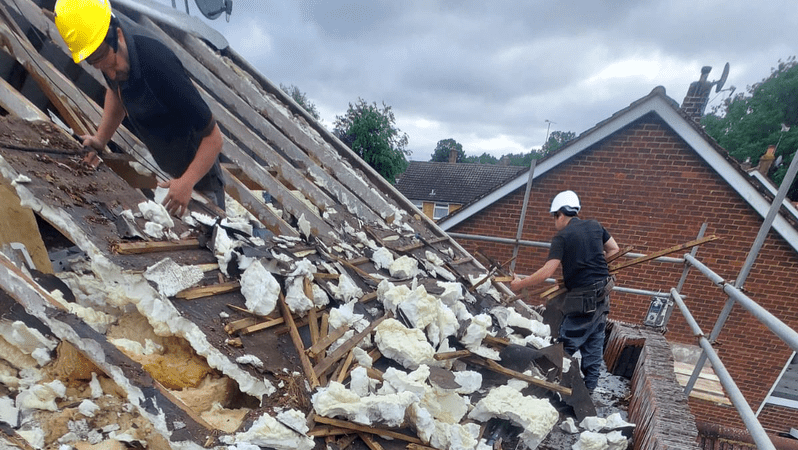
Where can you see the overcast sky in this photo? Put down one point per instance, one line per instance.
(490, 74)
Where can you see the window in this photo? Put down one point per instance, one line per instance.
(418, 204)
(441, 209)
(785, 392)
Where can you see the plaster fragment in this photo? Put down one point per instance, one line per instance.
(88, 408)
(171, 277)
(8, 412)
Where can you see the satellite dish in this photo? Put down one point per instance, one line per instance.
(214, 8)
(718, 84)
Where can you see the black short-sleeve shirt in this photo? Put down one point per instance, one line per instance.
(580, 248)
(163, 107)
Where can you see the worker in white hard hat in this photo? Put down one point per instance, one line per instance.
(148, 87)
(581, 247)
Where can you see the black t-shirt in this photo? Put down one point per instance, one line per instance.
(163, 107)
(580, 248)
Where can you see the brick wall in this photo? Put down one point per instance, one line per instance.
(651, 191)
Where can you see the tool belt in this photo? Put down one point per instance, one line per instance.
(586, 300)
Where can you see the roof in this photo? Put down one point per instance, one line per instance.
(326, 241)
(749, 187)
(452, 182)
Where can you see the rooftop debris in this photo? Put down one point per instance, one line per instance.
(326, 311)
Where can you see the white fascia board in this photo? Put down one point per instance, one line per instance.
(732, 176)
(613, 125)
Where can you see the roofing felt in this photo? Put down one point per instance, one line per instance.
(452, 182)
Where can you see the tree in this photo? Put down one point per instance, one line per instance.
(444, 147)
(556, 140)
(484, 158)
(371, 133)
(302, 100)
(766, 114)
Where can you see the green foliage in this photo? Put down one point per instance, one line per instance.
(484, 158)
(556, 140)
(371, 133)
(302, 100)
(747, 123)
(441, 153)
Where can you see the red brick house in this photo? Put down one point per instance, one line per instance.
(652, 176)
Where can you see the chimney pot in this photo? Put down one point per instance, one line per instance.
(698, 95)
(453, 155)
(767, 160)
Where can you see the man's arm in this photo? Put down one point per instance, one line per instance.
(538, 277)
(113, 114)
(176, 201)
(610, 248)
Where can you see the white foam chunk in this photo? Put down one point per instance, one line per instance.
(268, 432)
(96, 387)
(590, 440)
(26, 339)
(537, 417)
(408, 347)
(41, 396)
(260, 289)
(404, 267)
(346, 290)
(294, 419)
(155, 212)
(295, 297)
(382, 258)
(337, 401)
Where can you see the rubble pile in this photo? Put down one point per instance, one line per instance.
(410, 359)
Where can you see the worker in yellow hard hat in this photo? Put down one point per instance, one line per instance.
(149, 89)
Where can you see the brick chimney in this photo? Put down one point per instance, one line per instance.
(698, 95)
(453, 155)
(767, 160)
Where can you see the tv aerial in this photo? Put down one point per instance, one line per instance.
(718, 84)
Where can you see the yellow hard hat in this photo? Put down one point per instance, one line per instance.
(83, 24)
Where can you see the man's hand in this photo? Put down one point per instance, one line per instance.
(515, 285)
(176, 200)
(93, 142)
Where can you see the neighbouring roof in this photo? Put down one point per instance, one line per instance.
(750, 188)
(452, 182)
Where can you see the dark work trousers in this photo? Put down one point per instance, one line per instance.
(585, 332)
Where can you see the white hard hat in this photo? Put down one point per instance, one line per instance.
(567, 201)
